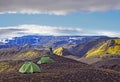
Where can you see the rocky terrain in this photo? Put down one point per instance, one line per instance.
(109, 63)
(62, 70)
(86, 66)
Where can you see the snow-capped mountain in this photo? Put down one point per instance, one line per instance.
(54, 41)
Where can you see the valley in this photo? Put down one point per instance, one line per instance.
(76, 59)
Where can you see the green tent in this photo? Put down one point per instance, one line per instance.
(29, 67)
(45, 60)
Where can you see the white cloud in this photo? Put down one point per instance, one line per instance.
(58, 7)
(8, 32)
(108, 33)
(21, 30)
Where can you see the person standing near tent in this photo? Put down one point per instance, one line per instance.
(51, 51)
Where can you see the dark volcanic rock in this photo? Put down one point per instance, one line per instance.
(109, 63)
(62, 70)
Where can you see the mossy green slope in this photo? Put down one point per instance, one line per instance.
(9, 66)
(29, 54)
(108, 48)
(61, 51)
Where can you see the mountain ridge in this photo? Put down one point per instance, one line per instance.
(36, 39)
(108, 48)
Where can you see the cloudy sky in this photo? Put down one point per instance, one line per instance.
(59, 17)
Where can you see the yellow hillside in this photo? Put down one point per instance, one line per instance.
(58, 51)
(108, 48)
(117, 41)
(61, 51)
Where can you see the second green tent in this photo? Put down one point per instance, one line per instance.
(45, 60)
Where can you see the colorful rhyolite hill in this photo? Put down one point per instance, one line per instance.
(61, 51)
(106, 49)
